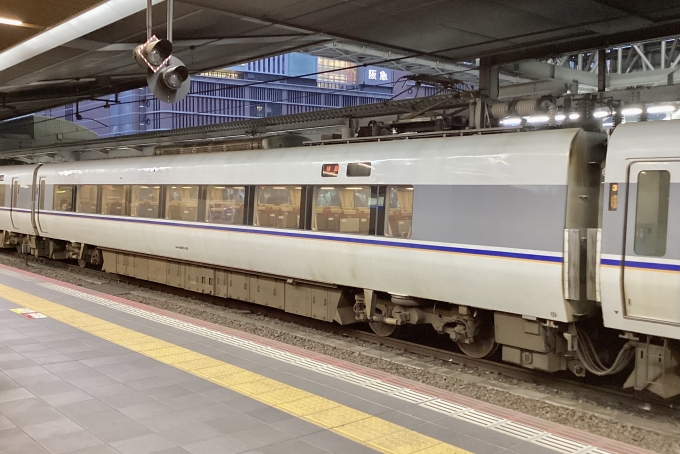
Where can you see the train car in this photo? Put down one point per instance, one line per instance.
(496, 240)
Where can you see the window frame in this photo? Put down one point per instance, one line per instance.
(387, 207)
(73, 197)
(662, 212)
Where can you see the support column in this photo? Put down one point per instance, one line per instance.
(488, 91)
(601, 70)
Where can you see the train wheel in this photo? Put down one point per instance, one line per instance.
(383, 329)
(483, 346)
(82, 263)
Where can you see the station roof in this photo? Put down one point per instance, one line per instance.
(72, 50)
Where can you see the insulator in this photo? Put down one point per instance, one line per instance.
(526, 107)
(499, 110)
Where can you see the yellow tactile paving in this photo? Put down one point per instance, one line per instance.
(216, 371)
(259, 387)
(308, 405)
(402, 442)
(371, 431)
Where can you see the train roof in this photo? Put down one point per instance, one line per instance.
(524, 158)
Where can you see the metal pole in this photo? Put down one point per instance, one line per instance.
(169, 21)
(619, 60)
(579, 65)
(149, 21)
(601, 70)
(663, 54)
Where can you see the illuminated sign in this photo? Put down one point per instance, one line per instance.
(330, 170)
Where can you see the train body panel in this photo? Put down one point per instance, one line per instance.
(489, 278)
(641, 230)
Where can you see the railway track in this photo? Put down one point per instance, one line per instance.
(596, 389)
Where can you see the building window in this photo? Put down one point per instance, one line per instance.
(342, 73)
(182, 203)
(277, 206)
(63, 197)
(399, 206)
(651, 212)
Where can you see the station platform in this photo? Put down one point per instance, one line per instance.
(85, 372)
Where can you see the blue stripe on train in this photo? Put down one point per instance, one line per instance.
(316, 236)
(642, 265)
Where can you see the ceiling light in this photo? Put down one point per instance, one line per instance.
(632, 111)
(10, 21)
(661, 109)
(560, 117)
(538, 119)
(574, 116)
(601, 113)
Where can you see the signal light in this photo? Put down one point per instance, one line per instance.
(170, 83)
(153, 53)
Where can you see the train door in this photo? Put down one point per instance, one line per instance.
(14, 197)
(40, 206)
(651, 266)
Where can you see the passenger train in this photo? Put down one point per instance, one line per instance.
(560, 247)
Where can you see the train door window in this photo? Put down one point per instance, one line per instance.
(145, 201)
(651, 212)
(341, 209)
(399, 206)
(43, 187)
(86, 198)
(277, 206)
(225, 204)
(15, 194)
(2, 196)
(181, 203)
(114, 199)
(63, 197)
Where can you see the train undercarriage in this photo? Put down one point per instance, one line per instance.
(653, 364)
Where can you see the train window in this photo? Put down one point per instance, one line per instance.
(181, 203)
(86, 198)
(2, 196)
(63, 197)
(341, 209)
(651, 212)
(359, 169)
(41, 205)
(114, 199)
(145, 201)
(277, 206)
(399, 206)
(225, 204)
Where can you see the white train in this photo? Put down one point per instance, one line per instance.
(559, 246)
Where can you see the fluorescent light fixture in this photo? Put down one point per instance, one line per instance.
(632, 111)
(601, 113)
(87, 22)
(538, 119)
(574, 116)
(560, 117)
(661, 109)
(6, 21)
(512, 121)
